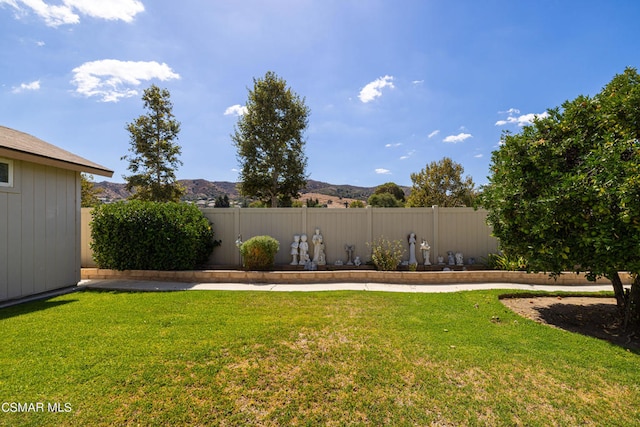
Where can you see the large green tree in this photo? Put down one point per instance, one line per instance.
(154, 157)
(393, 189)
(384, 200)
(270, 143)
(564, 193)
(441, 183)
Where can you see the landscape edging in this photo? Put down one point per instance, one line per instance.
(337, 276)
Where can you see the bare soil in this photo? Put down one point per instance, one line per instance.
(593, 316)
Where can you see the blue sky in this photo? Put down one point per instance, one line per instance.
(392, 85)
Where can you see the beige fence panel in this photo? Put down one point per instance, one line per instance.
(446, 229)
(464, 230)
(396, 224)
(281, 224)
(225, 227)
(339, 227)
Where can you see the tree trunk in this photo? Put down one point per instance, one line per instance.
(632, 309)
(618, 289)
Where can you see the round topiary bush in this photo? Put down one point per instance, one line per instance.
(259, 252)
(139, 235)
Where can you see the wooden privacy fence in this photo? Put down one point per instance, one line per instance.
(446, 229)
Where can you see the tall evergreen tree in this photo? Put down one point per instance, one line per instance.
(154, 157)
(270, 143)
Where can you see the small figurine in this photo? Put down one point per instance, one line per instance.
(459, 258)
(349, 249)
(452, 260)
(294, 249)
(304, 250)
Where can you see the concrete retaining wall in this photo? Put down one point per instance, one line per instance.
(358, 276)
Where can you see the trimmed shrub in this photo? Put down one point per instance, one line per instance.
(259, 252)
(386, 255)
(139, 235)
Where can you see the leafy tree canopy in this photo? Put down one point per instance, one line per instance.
(441, 183)
(384, 200)
(88, 192)
(154, 157)
(391, 188)
(269, 139)
(564, 193)
(222, 202)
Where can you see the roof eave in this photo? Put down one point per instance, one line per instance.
(48, 161)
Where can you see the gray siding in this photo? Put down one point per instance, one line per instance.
(39, 231)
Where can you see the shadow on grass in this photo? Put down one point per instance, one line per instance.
(600, 321)
(31, 307)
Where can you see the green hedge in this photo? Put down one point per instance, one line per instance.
(259, 252)
(139, 235)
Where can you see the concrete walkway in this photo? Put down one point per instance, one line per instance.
(136, 285)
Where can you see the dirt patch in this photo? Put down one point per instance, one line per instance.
(592, 316)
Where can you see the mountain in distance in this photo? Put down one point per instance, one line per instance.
(201, 189)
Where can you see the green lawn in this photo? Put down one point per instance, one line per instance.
(326, 358)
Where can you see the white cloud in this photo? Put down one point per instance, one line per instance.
(523, 120)
(397, 144)
(417, 82)
(382, 171)
(479, 156)
(373, 90)
(510, 111)
(35, 85)
(454, 139)
(236, 110)
(434, 133)
(408, 155)
(110, 79)
(65, 13)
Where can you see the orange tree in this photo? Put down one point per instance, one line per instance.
(565, 192)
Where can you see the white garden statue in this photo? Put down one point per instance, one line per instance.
(426, 252)
(318, 248)
(304, 250)
(294, 249)
(412, 248)
(459, 258)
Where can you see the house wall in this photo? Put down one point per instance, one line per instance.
(39, 230)
(446, 229)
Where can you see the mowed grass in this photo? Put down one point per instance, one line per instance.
(324, 358)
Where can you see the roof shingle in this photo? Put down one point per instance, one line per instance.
(22, 146)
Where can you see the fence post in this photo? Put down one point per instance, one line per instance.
(236, 230)
(369, 211)
(436, 234)
(304, 219)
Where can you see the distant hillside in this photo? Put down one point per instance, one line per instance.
(201, 189)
